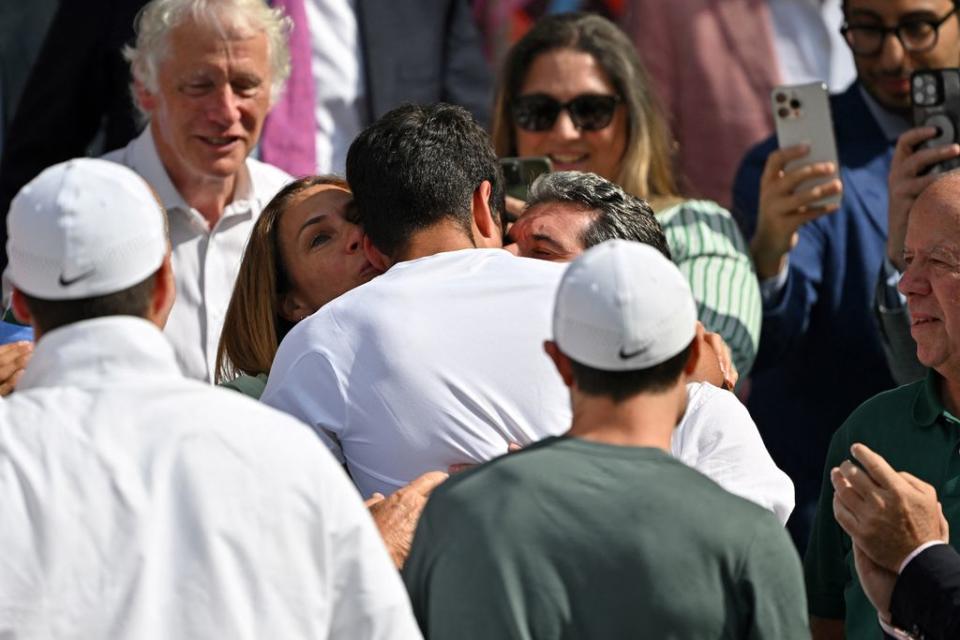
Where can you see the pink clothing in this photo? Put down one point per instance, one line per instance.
(713, 65)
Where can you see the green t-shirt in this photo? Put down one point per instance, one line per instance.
(576, 539)
(910, 428)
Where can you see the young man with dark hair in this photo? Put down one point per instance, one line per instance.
(137, 503)
(601, 533)
(434, 363)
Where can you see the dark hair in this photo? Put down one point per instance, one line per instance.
(620, 385)
(615, 213)
(646, 169)
(53, 314)
(419, 165)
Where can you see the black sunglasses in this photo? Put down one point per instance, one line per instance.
(589, 111)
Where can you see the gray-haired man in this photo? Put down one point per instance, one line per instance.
(204, 75)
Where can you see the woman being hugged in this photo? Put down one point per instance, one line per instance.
(302, 253)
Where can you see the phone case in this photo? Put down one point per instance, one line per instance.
(802, 116)
(936, 103)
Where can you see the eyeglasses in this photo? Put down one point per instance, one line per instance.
(916, 35)
(589, 111)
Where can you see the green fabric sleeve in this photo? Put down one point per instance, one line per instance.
(711, 253)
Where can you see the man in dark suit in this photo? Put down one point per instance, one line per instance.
(910, 574)
(820, 351)
(420, 51)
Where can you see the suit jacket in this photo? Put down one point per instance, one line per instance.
(79, 85)
(713, 65)
(820, 353)
(926, 596)
(421, 51)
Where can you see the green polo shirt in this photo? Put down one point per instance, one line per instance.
(911, 429)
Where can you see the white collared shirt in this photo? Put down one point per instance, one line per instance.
(338, 79)
(139, 504)
(808, 44)
(205, 261)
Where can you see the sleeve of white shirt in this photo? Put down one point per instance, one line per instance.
(370, 600)
(718, 438)
(305, 385)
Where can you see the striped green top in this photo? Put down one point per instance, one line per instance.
(710, 251)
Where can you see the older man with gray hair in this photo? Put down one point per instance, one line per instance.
(205, 73)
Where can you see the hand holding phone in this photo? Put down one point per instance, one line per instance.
(800, 180)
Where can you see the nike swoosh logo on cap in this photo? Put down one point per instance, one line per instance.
(626, 356)
(64, 282)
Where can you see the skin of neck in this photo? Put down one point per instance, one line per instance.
(446, 235)
(642, 420)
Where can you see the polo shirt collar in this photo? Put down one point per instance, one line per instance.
(927, 406)
(145, 160)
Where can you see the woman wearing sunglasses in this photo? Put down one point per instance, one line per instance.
(573, 90)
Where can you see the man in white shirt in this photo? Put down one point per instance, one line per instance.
(139, 504)
(205, 75)
(438, 361)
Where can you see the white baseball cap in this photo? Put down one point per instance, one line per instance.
(623, 306)
(84, 228)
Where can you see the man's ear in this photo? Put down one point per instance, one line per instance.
(693, 359)
(20, 309)
(145, 98)
(560, 361)
(380, 261)
(486, 225)
(164, 293)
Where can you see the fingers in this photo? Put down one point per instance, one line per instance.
(374, 499)
(917, 483)
(881, 473)
(426, 483)
(515, 206)
(514, 446)
(777, 160)
(845, 517)
(13, 359)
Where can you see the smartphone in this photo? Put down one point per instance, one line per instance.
(802, 116)
(935, 94)
(520, 173)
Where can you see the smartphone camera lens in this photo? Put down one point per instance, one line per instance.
(780, 98)
(783, 112)
(794, 104)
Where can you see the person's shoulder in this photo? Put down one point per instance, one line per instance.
(883, 409)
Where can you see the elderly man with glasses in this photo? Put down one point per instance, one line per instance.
(821, 352)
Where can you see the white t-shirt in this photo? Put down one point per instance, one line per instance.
(138, 504)
(718, 438)
(439, 361)
(205, 260)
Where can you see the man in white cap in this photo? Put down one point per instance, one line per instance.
(139, 504)
(601, 533)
